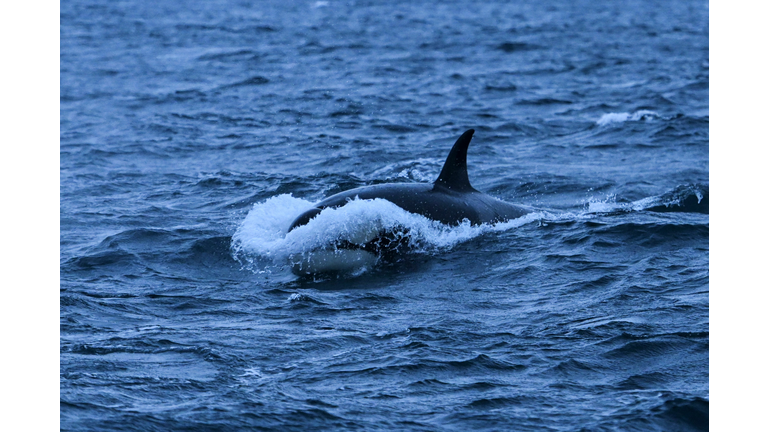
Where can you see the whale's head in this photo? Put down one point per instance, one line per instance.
(361, 246)
(304, 218)
(344, 255)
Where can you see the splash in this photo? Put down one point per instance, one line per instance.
(423, 170)
(263, 242)
(691, 198)
(609, 118)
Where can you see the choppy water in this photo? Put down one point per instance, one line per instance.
(192, 134)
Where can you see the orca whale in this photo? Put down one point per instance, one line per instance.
(451, 200)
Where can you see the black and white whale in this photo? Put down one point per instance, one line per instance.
(451, 200)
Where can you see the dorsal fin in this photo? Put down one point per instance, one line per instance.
(454, 174)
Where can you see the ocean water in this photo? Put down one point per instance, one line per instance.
(192, 134)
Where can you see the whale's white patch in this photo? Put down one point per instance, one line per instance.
(335, 260)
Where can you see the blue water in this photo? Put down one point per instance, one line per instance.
(192, 133)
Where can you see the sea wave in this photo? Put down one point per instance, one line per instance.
(609, 118)
(690, 198)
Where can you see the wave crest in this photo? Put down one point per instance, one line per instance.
(691, 198)
(609, 118)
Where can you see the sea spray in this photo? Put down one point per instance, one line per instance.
(263, 234)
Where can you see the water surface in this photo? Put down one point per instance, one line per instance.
(191, 132)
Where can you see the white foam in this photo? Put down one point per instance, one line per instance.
(609, 205)
(602, 207)
(421, 170)
(263, 234)
(609, 118)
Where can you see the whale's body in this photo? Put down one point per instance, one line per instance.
(450, 200)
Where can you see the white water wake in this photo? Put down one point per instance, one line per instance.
(262, 240)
